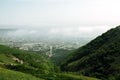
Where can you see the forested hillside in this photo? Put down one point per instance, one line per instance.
(100, 58)
(23, 65)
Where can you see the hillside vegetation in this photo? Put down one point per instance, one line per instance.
(24, 61)
(60, 55)
(6, 74)
(23, 65)
(15, 57)
(100, 58)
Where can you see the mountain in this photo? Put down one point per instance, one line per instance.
(19, 57)
(99, 58)
(24, 61)
(60, 55)
(23, 65)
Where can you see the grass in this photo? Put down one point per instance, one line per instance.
(6, 59)
(6, 74)
(77, 77)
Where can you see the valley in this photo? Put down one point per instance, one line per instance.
(59, 39)
(96, 60)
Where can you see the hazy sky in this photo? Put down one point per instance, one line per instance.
(65, 16)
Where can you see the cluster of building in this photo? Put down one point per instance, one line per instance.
(45, 47)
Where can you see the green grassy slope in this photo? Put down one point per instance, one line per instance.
(6, 74)
(67, 76)
(32, 63)
(77, 77)
(99, 58)
(31, 59)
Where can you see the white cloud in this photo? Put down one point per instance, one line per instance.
(86, 31)
(80, 31)
(21, 33)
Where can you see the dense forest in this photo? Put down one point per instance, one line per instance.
(99, 58)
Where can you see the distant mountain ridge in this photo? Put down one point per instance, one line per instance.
(99, 58)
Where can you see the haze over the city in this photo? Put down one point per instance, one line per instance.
(87, 18)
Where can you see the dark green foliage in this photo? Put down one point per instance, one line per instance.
(25, 69)
(99, 58)
(60, 55)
